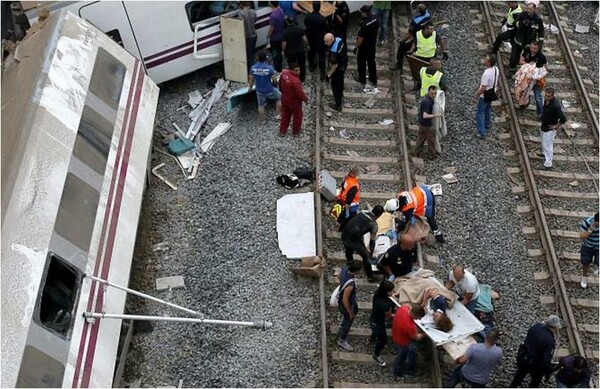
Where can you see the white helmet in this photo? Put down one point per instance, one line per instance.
(391, 205)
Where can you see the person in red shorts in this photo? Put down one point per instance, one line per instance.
(404, 336)
(291, 99)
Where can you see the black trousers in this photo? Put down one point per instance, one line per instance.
(515, 55)
(277, 56)
(403, 49)
(366, 57)
(355, 245)
(503, 37)
(250, 51)
(337, 87)
(316, 55)
(522, 370)
(300, 58)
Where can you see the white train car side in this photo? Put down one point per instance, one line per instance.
(171, 38)
(77, 120)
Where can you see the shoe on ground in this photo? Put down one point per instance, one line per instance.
(335, 107)
(371, 90)
(345, 345)
(440, 238)
(583, 282)
(480, 136)
(379, 360)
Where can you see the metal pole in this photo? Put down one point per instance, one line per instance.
(257, 324)
(143, 295)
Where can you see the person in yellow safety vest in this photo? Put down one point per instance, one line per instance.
(514, 9)
(432, 75)
(349, 196)
(426, 44)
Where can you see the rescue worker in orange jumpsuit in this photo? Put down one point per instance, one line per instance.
(349, 196)
(420, 202)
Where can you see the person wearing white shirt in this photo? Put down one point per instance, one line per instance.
(465, 284)
(489, 80)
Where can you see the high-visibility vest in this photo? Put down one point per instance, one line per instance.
(349, 183)
(428, 80)
(511, 16)
(425, 46)
(415, 200)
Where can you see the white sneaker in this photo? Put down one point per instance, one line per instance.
(345, 345)
(583, 282)
(379, 360)
(371, 91)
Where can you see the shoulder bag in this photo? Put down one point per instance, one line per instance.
(490, 94)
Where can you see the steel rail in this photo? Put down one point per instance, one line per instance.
(574, 69)
(319, 237)
(534, 197)
(404, 154)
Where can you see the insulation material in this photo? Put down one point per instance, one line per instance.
(296, 225)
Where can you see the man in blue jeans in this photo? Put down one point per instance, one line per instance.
(381, 10)
(532, 53)
(347, 302)
(404, 336)
(263, 75)
(489, 80)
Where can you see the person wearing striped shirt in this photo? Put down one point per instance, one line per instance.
(589, 246)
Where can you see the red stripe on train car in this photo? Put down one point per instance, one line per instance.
(86, 325)
(87, 370)
(260, 23)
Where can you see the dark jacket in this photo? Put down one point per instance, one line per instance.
(316, 26)
(529, 28)
(539, 345)
(571, 377)
(359, 225)
(552, 114)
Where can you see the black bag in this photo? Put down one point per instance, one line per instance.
(289, 181)
(490, 94)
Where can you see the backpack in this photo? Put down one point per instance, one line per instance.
(335, 296)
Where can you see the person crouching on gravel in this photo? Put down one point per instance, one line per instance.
(382, 311)
(263, 75)
(347, 302)
(292, 97)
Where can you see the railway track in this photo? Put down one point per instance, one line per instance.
(355, 136)
(555, 201)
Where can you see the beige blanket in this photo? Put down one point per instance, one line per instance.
(411, 289)
(385, 223)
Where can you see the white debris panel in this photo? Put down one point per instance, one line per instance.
(296, 225)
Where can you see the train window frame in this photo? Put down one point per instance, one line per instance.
(211, 19)
(56, 265)
(115, 35)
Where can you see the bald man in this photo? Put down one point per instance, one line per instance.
(338, 61)
(399, 259)
(465, 284)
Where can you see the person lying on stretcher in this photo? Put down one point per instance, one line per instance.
(433, 301)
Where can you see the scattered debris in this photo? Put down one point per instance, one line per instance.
(450, 169)
(163, 246)
(554, 29)
(327, 186)
(386, 122)
(328, 114)
(374, 168)
(310, 267)
(210, 139)
(450, 178)
(194, 98)
(180, 146)
(167, 283)
(344, 134)
(566, 104)
(201, 112)
(436, 189)
(574, 183)
(179, 130)
(370, 102)
(352, 153)
(582, 29)
(155, 170)
(331, 128)
(168, 139)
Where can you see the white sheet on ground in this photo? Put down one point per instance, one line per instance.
(296, 225)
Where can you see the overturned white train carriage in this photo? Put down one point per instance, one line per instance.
(77, 120)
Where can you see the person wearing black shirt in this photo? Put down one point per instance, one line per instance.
(366, 44)
(316, 25)
(340, 20)
(399, 259)
(338, 61)
(552, 119)
(293, 44)
(382, 311)
(352, 237)
(530, 27)
(426, 131)
(532, 53)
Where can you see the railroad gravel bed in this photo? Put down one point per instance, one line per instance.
(221, 233)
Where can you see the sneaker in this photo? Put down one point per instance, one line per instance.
(371, 91)
(583, 282)
(440, 238)
(345, 345)
(335, 107)
(379, 360)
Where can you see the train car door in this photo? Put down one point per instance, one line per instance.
(234, 49)
(111, 17)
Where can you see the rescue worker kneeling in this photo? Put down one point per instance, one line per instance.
(420, 202)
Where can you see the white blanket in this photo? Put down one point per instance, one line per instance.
(439, 124)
